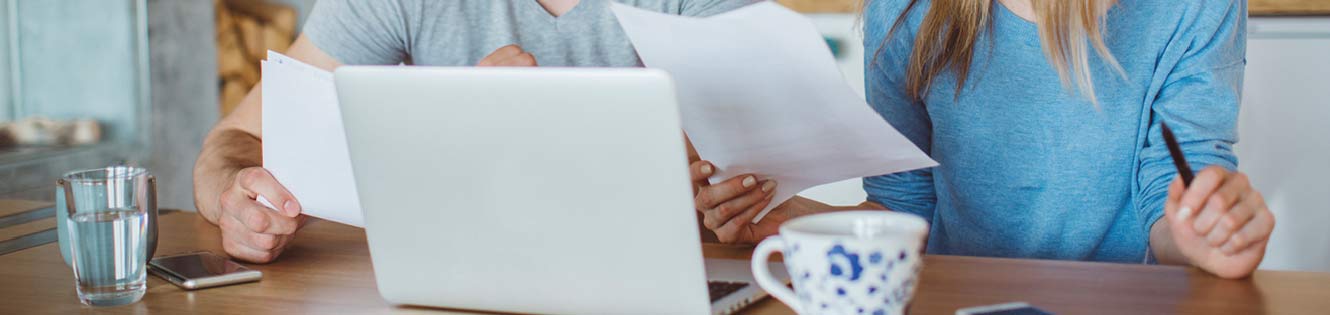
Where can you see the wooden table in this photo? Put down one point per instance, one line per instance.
(327, 270)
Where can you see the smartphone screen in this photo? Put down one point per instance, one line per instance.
(197, 265)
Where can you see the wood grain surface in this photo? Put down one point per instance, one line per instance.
(9, 207)
(328, 271)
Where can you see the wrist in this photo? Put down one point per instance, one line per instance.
(1163, 247)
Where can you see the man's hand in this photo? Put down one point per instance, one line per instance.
(251, 231)
(1219, 223)
(508, 56)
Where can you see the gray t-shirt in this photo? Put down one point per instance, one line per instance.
(461, 32)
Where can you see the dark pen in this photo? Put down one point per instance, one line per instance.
(1179, 161)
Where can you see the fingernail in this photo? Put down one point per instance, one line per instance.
(706, 169)
(290, 207)
(749, 182)
(1227, 249)
(768, 186)
(1184, 213)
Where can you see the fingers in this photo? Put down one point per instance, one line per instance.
(256, 181)
(713, 218)
(700, 171)
(262, 241)
(503, 53)
(1243, 212)
(508, 56)
(1229, 193)
(1234, 219)
(1205, 183)
(523, 60)
(241, 243)
(712, 196)
(1174, 199)
(256, 217)
(1254, 232)
(732, 230)
(242, 252)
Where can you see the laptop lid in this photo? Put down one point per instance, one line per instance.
(524, 190)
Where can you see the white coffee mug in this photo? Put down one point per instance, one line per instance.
(850, 262)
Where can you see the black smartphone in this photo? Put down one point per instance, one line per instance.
(1016, 308)
(200, 270)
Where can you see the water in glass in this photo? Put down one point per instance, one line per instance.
(109, 255)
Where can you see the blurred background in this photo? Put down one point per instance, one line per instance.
(90, 83)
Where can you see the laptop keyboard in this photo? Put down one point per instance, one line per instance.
(720, 289)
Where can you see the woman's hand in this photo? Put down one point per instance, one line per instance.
(728, 207)
(1220, 223)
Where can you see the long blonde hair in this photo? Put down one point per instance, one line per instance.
(947, 36)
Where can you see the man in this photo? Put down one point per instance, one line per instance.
(228, 177)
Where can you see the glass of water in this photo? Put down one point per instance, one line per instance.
(111, 232)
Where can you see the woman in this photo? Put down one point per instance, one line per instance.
(1045, 116)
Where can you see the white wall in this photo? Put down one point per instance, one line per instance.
(79, 60)
(1284, 135)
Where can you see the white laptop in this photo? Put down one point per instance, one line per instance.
(531, 190)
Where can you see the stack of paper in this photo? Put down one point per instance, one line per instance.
(304, 144)
(760, 93)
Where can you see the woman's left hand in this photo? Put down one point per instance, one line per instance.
(1220, 223)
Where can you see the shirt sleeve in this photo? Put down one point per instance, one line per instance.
(1198, 99)
(359, 32)
(885, 62)
(712, 7)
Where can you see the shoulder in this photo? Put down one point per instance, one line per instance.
(1187, 13)
(1192, 24)
(1188, 8)
(880, 16)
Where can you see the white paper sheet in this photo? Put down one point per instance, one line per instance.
(760, 93)
(304, 144)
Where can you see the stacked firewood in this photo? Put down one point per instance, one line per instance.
(822, 6)
(246, 30)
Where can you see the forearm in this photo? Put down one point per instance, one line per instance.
(805, 206)
(225, 152)
(1162, 246)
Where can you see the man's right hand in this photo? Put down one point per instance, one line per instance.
(251, 231)
(508, 56)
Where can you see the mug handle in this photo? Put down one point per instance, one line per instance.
(763, 275)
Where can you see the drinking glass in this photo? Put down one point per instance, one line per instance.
(111, 231)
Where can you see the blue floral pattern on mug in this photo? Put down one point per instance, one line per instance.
(853, 276)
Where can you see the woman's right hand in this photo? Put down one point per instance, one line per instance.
(252, 231)
(728, 207)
